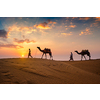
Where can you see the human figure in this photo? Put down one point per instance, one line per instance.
(71, 57)
(29, 54)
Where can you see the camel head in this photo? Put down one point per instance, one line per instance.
(76, 51)
(38, 47)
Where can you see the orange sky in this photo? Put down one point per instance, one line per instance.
(61, 34)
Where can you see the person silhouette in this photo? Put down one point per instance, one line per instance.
(29, 54)
(71, 57)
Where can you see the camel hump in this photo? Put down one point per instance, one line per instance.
(85, 51)
(47, 49)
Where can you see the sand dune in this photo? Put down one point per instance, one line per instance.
(42, 71)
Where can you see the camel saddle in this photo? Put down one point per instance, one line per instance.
(84, 50)
(47, 50)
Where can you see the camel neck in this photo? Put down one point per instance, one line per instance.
(40, 49)
(78, 52)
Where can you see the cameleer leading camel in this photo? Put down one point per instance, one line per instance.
(83, 53)
(46, 50)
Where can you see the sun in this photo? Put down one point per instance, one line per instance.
(22, 55)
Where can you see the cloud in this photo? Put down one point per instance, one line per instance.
(22, 41)
(84, 18)
(97, 18)
(74, 17)
(72, 26)
(3, 34)
(85, 32)
(96, 23)
(51, 22)
(26, 29)
(71, 23)
(66, 27)
(10, 46)
(66, 34)
(45, 25)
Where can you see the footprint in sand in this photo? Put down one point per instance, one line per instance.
(22, 68)
(8, 77)
(7, 74)
(4, 72)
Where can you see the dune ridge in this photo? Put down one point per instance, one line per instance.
(42, 71)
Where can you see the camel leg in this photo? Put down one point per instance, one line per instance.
(42, 56)
(85, 57)
(51, 55)
(81, 58)
(89, 57)
(45, 56)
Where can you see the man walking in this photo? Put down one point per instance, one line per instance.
(29, 54)
(71, 57)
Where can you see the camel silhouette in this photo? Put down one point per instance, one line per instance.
(83, 53)
(45, 51)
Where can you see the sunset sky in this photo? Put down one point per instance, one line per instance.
(61, 34)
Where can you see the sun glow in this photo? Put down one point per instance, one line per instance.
(22, 55)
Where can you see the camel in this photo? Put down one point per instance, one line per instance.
(45, 51)
(83, 53)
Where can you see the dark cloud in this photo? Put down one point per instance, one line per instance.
(22, 41)
(49, 21)
(10, 46)
(3, 33)
(45, 25)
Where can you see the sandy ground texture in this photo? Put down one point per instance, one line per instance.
(42, 71)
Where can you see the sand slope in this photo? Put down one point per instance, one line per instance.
(41, 71)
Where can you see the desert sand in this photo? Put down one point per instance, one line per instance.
(43, 71)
